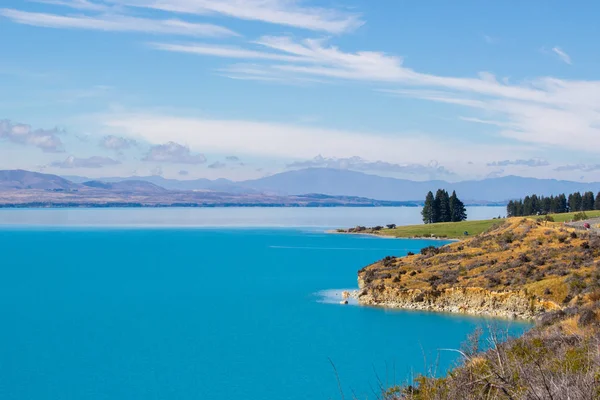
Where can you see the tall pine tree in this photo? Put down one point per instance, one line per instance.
(587, 201)
(442, 205)
(575, 202)
(458, 212)
(428, 212)
(597, 202)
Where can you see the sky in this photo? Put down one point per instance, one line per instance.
(241, 89)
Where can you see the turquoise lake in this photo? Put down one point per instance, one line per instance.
(202, 313)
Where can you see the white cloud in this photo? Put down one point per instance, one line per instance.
(175, 153)
(287, 141)
(223, 51)
(545, 111)
(45, 139)
(116, 23)
(76, 4)
(117, 143)
(281, 12)
(562, 55)
(432, 169)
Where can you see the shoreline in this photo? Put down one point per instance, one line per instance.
(333, 231)
(515, 305)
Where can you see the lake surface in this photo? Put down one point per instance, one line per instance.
(336, 217)
(212, 313)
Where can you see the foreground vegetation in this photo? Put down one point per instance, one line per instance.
(556, 269)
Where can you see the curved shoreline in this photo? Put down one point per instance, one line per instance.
(377, 235)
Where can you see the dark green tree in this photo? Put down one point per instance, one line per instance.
(511, 209)
(458, 212)
(561, 205)
(527, 206)
(597, 202)
(575, 202)
(587, 201)
(428, 212)
(442, 205)
(547, 204)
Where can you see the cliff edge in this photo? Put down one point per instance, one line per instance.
(519, 268)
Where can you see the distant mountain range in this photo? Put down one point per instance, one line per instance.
(20, 188)
(336, 182)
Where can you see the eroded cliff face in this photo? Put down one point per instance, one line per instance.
(519, 268)
(509, 304)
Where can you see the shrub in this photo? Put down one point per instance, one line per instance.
(586, 318)
(430, 251)
(391, 226)
(580, 216)
(562, 238)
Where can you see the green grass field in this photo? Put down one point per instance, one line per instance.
(569, 216)
(455, 230)
(452, 230)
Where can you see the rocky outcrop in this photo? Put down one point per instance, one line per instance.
(479, 301)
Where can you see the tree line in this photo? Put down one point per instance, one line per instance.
(443, 208)
(533, 205)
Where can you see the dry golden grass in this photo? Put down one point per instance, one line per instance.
(554, 263)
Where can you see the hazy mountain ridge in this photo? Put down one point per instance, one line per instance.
(336, 182)
(32, 189)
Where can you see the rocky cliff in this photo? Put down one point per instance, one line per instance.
(520, 268)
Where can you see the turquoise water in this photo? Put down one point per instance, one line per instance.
(213, 313)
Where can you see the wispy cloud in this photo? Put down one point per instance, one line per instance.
(225, 52)
(116, 23)
(117, 143)
(76, 4)
(45, 139)
(280, 12)
(562, 55)
(357, 163)
(90, 162)
(175, 153)
(548, 111)
(532, 162)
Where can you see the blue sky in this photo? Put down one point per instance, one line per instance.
(247, 88)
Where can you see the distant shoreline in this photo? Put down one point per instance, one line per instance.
(383, 236)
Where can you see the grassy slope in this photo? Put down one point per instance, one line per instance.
(515, 254)
(455, 230)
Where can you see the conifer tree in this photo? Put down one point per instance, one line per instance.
(587, 201)
(597, 202)
(575, 202)
(511, 209)
(442, 206)
(458, 212)
(561, 204)
(428, 209)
